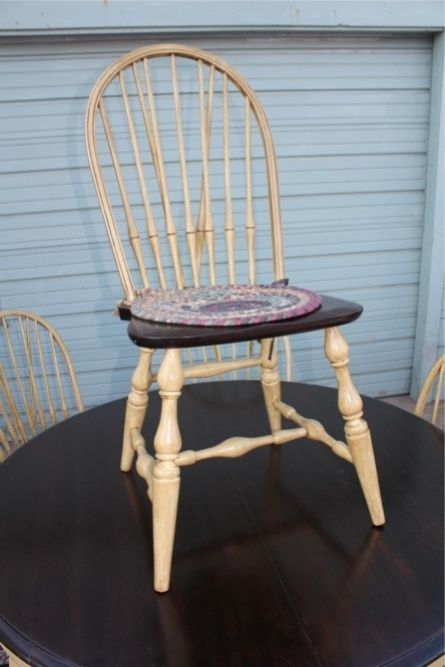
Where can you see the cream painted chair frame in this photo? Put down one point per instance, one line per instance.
(29, 408)
(435, 376)
(162, 471)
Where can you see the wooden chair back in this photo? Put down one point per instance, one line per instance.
(432, 389)
(184, 166)
(38, 384)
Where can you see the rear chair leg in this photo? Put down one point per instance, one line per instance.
(270, 380)
(357, 432)
(166, 475)
(136, 405)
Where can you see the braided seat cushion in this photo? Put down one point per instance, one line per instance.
(225, 305)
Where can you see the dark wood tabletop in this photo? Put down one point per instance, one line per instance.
(275, 560)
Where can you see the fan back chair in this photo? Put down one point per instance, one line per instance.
(432, 387)
(38, 385)
(183, 163)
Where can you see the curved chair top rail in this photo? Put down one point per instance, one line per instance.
(433, 385)
(38, 384)
(132, 75)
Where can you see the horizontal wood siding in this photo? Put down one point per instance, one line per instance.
(349, 116)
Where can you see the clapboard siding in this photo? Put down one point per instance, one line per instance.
(349, 116)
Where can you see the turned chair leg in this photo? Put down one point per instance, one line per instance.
(136, 405)
(270, 381)
(166, 475)
(357, 432)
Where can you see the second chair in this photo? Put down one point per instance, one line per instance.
(38, 384)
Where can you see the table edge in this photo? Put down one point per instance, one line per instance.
(27, 650)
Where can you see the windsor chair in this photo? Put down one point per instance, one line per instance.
(183, 163)
(38, 384)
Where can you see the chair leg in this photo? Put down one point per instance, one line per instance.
(166, 475)
(270, 381)
(136, 405)
(357, 432)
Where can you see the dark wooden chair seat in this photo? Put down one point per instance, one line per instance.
(333, 312)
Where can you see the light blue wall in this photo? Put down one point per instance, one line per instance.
(350, 118)
(429, 332)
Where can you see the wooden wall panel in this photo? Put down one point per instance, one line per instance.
(349, 117)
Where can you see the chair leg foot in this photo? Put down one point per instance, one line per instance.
(357, 432)
(166, 474)
(165, 494)
(362, 452)
(136, 406)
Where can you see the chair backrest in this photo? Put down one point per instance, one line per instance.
(183, 162)
(38, 385)
(432, 389)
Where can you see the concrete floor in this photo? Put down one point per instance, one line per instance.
(406, 403)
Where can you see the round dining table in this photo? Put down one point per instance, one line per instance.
(275, 561)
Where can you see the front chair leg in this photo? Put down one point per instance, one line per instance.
(166, 476)
(136, 405)
(357, 432)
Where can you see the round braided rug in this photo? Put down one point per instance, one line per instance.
(225, 305)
